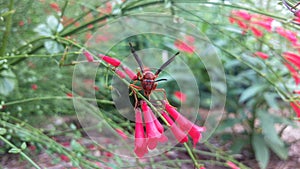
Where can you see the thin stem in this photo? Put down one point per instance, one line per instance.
(22, 153)
(197, 165)
(7, 29)
(37, 55)
(58, 98)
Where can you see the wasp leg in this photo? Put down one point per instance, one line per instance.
(134, 92)
(162, 90)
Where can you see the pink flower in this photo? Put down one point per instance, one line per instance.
(187, 45)
(241, 14)
(159, 127)
(34, 86)
(262, 21)
(122, 134)
(256, 32)
(184, 47)
(130, 73)
(96, 88)
(296, 107)
(232, 165)
(55, 6)
(293, 58)
(294, 73)
(180, 96)
(21, 23)
(193, 130)
(153, 135)
(242, 24)
(112, 61)
(178, 133)
(140, 141)
(289, 35)
(120, 73)
(70, 95)
(64, 158)
(202, 167)
(264, 24)
(261, 55)
(88, 56)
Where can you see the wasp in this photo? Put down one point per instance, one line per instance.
(147, 78)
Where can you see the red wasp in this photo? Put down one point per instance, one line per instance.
(148, 78)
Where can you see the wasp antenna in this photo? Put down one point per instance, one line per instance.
(137, 58)
(166, 63)
(158, 80)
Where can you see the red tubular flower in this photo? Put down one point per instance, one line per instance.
(184, 47)
(159, 127)
(122, 134)
(261, 55)
(294, 73)
(242, 24)
(178, 133)
(64, 158)
(256, 32)
(232, 165)
(289, 35)
(293, 58)
(231, 20)
(112, 61)
(120, 73)
(180, 96)
(140, 141)
(242, 14)
(193, 130)
(34, 86)
(88, 56)
(263, 24)
(130, 73)
(262, 21)
(55, 6)
(296, 107)
(153, 135)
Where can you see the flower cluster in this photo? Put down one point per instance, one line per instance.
(144, 117)
(154, 133)
(257, 23)
(252, 22)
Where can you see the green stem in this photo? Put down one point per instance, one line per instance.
(7, 29)
(38, 56)
(196, 164)
(22, 154)
(58, 98)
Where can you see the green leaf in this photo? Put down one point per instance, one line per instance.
(43, 30)
(7, 82)
(2, 131)
(76, 146)
(23, 146)
(238, 144)
(280, 151)
(268, 127)
(262, 154)
(14, 150)
(54, 24)
(53, 47)
(250, 92)
(230, 122)
(271, 99)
